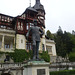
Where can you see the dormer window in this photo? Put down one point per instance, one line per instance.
(5, 18)
(31, 14)
(2, 18)
(8, 19)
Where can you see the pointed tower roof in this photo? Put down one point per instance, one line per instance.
(38, 6)
(31, 9)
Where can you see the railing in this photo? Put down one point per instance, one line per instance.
(62, 66)
(11, 66)
(7, 30)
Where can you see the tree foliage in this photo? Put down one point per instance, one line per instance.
(49, 35)
(65, 42)
(72, 56)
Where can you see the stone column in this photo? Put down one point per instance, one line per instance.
(2, 48)
(14, 43)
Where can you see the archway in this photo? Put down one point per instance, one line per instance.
(5, 74)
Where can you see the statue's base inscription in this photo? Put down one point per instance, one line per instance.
(41, 72)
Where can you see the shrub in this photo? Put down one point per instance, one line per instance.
(64, 72)
(44, 55)
(20, 55)
(72, 56)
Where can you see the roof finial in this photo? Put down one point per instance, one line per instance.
(30, 3)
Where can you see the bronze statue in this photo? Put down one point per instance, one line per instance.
(36, 34)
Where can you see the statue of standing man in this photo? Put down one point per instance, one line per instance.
(36, 32)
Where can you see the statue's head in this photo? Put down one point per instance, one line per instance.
(35, 22)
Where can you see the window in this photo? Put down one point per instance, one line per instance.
(21, 26)
(21, 41)
(7, 46)
(18, 26)
(5, 18)
(2, 18)
(49, 48)
(8, 19)
(2, 26)
(31, 24)
(28, 46)
(27, 26)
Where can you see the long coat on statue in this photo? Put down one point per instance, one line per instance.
(36, 32)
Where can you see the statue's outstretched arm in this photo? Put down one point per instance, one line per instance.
(41, 31)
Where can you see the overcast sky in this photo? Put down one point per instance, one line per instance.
(58, 12)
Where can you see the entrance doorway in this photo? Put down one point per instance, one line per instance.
(5, 74)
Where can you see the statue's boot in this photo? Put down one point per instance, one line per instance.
(34, 52)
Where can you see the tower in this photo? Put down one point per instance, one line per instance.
(37, 1)
(41, 12)
(41, 17)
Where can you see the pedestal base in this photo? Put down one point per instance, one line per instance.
(36, 68)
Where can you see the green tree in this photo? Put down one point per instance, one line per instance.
(49, 35)
(65, 42)
(60, 46)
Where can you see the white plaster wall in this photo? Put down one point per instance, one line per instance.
(11, 45)
(42, 41)
(33, 70)
(53, 48)
(20, 45)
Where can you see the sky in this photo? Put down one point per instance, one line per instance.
(58, 12)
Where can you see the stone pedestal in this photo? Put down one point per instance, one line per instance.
(36, 68)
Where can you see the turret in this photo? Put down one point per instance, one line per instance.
(41, 12)
(37, 1)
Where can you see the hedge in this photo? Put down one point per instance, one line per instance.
(20, 55)
(64, 72)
